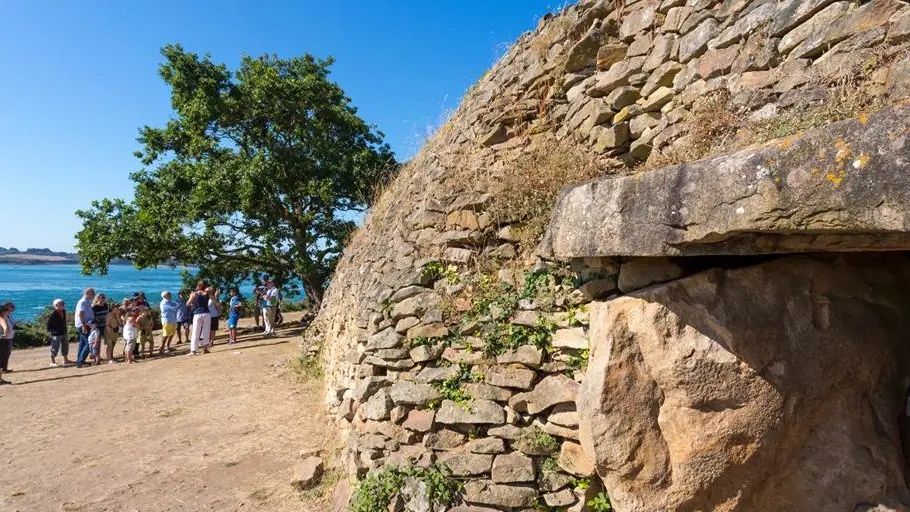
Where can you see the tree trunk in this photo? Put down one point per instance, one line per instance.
(314, 292)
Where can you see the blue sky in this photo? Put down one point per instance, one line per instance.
(80, 78)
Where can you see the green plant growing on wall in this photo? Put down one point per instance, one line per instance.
(581, 483)
(501, 336)
(600, 503)
(451, 388)
(436, 270)
(549, 465)
(537, 438)
(375, 492)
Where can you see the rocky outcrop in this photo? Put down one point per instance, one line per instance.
(844, 187)
(772, 387)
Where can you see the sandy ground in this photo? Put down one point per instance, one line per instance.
(220, 431)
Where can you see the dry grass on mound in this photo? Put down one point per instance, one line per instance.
(528, 187)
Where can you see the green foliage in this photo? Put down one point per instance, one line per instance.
(549, 465)
(307, 366)
(255, 173)
(580, 361)
(376, 491)
(501, 336)
(581, 483)
(451, 387)
(34, 333)
(436, 270)
(493, 299)
(600, 503)
(539, 439)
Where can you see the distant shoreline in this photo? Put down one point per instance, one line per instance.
(39, 259)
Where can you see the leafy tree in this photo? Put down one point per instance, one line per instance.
(258, 172)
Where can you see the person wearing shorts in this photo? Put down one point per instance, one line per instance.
(233, 315)
(169, 310)
(56, 332)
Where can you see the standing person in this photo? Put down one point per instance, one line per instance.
(183, 318)
(269, 303)
(94, 340)
(198, 303)
(169, 326)
(100, 310)
(111, 329)
(258, 291)
(56, 333)
(84, 317)
(146, 326)
(130, 334)
(9, 339)
(215, 313)
(6, 331)
(233, 315)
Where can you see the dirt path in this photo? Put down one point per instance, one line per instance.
(220, 431)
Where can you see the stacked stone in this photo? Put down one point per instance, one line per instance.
(493, 441)
(631, 86)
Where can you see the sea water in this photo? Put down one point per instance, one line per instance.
(32, 287)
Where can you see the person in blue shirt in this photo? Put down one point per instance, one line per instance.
(169, 310)
(234, 307)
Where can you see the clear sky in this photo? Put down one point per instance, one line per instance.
(80, 77)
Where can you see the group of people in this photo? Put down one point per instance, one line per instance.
(193, 317)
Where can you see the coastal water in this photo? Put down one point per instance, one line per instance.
(32, 287)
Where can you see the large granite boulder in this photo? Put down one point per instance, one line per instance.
(843, 187)
(779, 386)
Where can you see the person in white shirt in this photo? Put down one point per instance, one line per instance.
(269, 306)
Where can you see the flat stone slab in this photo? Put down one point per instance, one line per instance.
(839, 188)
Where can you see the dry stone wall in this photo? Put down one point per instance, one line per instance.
(441, 341)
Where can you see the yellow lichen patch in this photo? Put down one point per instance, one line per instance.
(814, 171)
(861, 161)
(785, 143)
(835, 178)
(843, 151)
(863, 119)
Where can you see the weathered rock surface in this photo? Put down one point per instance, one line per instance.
(307, 474)
(476, 412)
(748, 389)
(844, 187)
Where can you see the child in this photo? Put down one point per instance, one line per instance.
(94, 341)
(233, 315)
(130, 334)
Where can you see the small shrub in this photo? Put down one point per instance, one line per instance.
(34, 333)
(376, 491)
(501, 336)
(435, 271)
(549, 465)
(581, 483)
(600, 503)
(541, 440)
